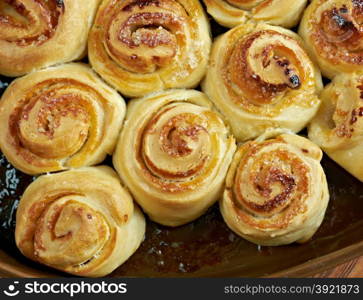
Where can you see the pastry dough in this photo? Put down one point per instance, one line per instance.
(59, 118)
(144, 46)
(35, 34)
(260, 77)
(276, 191)
(82, 222)
(338, 126)
(173, 154)
(231, 13)
(333, 32)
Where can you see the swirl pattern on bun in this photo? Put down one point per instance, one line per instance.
(173, 154)
(276, 191)
(82, 222)
(142, 46)
(260, 77)
(59, 118)
(333, 33)
(36, 34)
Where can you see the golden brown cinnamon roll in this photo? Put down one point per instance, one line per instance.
(59, 118)
(36, 34)
(261, 78)
(142, 46)
(173, 154)
(333, 32)
(276, 191)
(231, 13)
(81, 222)
(338, 126)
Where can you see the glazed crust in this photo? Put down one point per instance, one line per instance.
(59, 118)
(261, 78)
(338, 126)
(145, 46)
(276, 191)
(37, 34)
(333, 33)
(173, 154)
(82, 222)
(231, 13)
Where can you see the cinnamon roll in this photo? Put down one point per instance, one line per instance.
(82, 222)
(35, 34)
(231, 13)
(333, 32)
(260, 77)
(338, 126)
(142, 46)
(59, 118)
(276, 191)
(173, 154)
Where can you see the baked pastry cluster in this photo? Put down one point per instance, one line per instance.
(176, 151)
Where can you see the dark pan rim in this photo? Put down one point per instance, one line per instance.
(309, 268)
